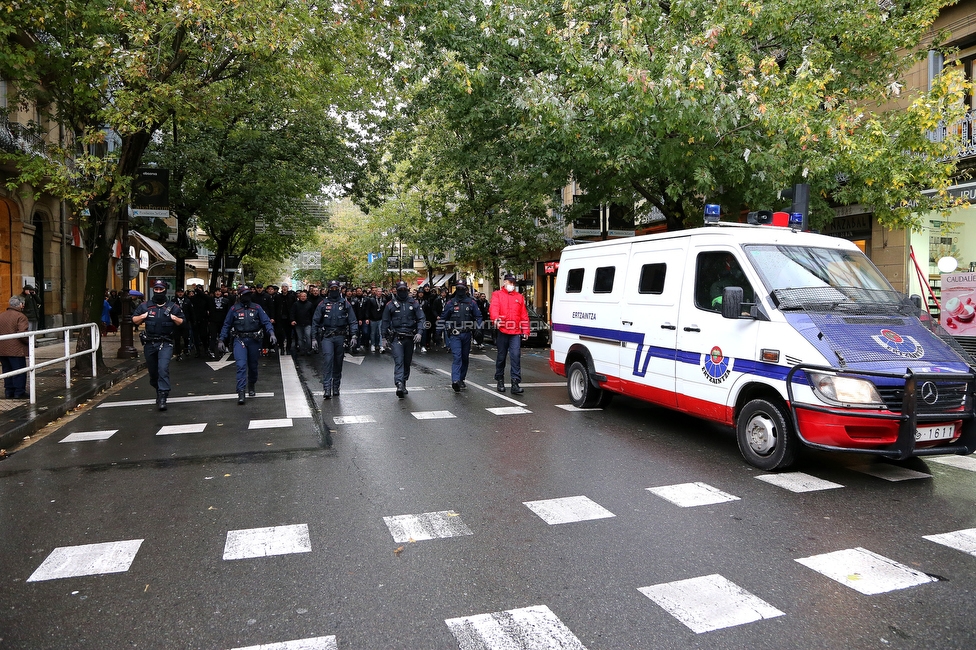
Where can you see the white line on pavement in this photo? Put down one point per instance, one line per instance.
(296, 404)
(180, 400)
(487, 390)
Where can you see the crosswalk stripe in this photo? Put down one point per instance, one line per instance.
(961, 462)
(528, 627)
(85, 436)
(567, 510)
(889, 472)
(709, 603)
(961, 540)
(433, 415)
(312, 643)
(798, 482)
(296, 404)
(179, 400)
(865, 572)
(270, 424)
(173, 429)
(87, 560)
(262, 542)
(430, 525)
(689, 495)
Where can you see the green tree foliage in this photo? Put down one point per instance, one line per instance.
(95, 64)
(680, 102)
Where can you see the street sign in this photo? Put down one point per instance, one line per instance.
(133, 268)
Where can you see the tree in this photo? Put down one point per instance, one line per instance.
(97, 64)
(682, 103)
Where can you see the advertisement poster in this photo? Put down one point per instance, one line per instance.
(958, 314)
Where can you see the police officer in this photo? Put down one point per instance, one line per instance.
(247, 323)
(402, 324)
(461, 317)
(333, 321)
(163, 319)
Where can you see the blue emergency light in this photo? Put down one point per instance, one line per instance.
(712, 212)
(796, 220)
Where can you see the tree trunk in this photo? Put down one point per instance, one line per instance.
(105, 221)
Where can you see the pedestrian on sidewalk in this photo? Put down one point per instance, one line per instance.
(461, 317)
(511, 319)
(334, 320)
(13, 352)
(402, 324)
(163, 319)
(32, 306)
(247, 324)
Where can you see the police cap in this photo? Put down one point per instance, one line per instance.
(402, 285)
(509, 276)
(243, 289)
(334, 283)
(461, 283)
(159, 284)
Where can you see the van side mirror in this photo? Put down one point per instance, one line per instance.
(917, 301)
(732, 302)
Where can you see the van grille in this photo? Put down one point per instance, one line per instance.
(951, 396)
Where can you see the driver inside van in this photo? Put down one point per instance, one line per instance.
(729, 275)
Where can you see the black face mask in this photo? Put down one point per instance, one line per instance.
(461, 293)
(403, 294)
(246, 300)
(159, 298)
(334, 294)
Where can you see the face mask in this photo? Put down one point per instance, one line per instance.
(159, 298)
(334, 294)
(510, 288)
(461, 293)
(403, 294)
(246, 300)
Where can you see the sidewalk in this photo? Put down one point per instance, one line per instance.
(19, 418)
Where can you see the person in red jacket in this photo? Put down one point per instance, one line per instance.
(511, 319)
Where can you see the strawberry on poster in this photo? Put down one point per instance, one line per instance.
(958, 315)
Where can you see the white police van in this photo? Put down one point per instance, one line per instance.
(790, 337)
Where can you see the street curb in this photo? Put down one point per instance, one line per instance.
(28, 419)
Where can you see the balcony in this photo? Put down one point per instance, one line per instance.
(20, 138)
(964, 129)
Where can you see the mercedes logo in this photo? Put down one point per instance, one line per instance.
(929, 392)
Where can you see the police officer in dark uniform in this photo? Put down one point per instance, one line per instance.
(247, 323)
(333, 321)
(163, 319)
(402, 325)
(461, 317)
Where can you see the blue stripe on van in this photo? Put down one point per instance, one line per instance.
(643, 356)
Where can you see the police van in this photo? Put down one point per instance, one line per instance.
(790, 337)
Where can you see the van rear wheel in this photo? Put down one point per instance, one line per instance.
(582, 392)
(765, 435)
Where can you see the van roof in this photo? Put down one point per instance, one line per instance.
(730, 233)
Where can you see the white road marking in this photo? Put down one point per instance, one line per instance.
(962, 462)
(889, 472)
(180, 400)
(181, 428)
(348, 358)
(529, 628)
(864, 571)
(798, 482)
(540, 384)
(87, 560)
(961, 540)
(689, 495)
(85, 436)
(312, 643)
(296, 404)
(269, 424)
(433, 415)
(571, 408)
(487, 390)
(709, 603)
(353, 419)
(262, 542)
(508, 410)
(481, 357)
(369, 391)
(568, 510)
(430, 525)
(223, 363)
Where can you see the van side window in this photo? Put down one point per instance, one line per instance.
(652, 278)
(603, 282)
(714, 272)
(574, 281)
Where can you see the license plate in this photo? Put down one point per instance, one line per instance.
(944, 432)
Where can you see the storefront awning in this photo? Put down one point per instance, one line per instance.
(154, 247)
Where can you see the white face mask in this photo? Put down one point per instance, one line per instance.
(510, 288)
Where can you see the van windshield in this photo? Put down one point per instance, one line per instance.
(803, 277)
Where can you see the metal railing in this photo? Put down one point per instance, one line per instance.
(20, 138)
(964, 129)
(33, 366)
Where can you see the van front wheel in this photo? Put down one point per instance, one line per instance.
(765, 435)
(582, 392)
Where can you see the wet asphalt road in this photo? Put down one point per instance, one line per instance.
(332, 567)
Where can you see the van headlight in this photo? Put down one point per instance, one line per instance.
(845, 390)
